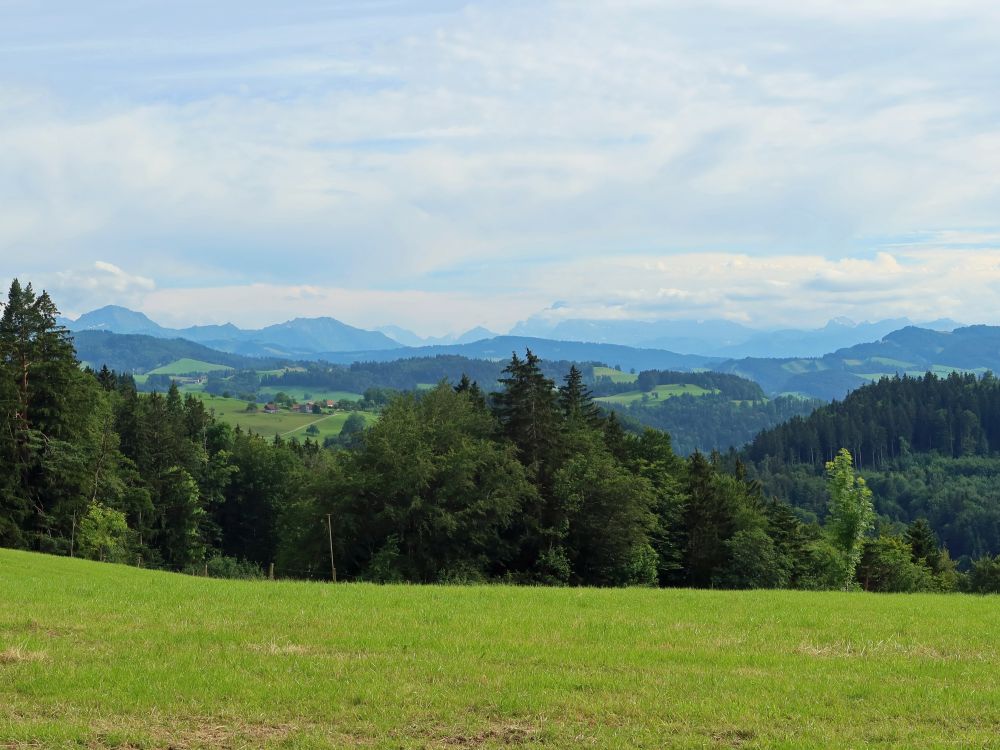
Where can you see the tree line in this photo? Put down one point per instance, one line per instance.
(527, 484)
(929, 447)
(712, 421)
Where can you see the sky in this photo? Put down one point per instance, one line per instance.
(439, 165)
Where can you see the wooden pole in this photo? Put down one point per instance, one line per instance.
(72, 536)
(270, 571)
(206, 570)
(329, 531)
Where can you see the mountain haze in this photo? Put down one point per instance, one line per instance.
(721, 338)
(301, 338)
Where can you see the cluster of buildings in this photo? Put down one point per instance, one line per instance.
(309, 407)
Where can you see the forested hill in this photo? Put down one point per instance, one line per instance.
(955, 416)
(928, 446)
(531, 484)
(499, 349)
(138, 353)
(910, 350)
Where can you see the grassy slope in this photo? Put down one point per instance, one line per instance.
(188, 367)
(617, 376)
(299, 392)
(107, 656)
(664, 391)
(233, 411)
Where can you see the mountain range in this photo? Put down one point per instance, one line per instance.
(911, 350)
(722, 338)
(409, 338)
(501, 348)
(309, 338)
(301, 338)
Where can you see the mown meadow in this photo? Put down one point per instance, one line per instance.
(285, 423)
(106, 656)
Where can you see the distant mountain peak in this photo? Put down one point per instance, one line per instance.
(298, 338)
(117, 319)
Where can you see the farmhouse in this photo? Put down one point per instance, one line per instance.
(270, 408)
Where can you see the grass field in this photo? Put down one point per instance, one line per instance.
(287, 424)
(617, 376)
(100, 656)
(661, 391)
(301, 393)
(188, 367)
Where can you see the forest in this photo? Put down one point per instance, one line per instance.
(713, 421)
(529, 484)
(928, 446)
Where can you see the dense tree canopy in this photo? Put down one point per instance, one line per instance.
(530, 484)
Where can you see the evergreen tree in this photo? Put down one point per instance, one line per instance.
(576, 401)
(924, 545)
(527, 409)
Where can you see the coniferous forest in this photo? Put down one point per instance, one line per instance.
(530, 484)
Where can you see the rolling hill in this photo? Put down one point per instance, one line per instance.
(910, 350)
(500, 348)
(301, 338)
(136, 353)
(721, 338)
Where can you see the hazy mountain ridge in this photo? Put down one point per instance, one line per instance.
(909, 350)
(830, 375)
(714, 338)
(501, 348)
(722, 338)
(299, 338)
(407, 337)
(139, 353)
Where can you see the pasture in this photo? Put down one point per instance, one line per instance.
(306, 393)
(616, 376)
(188, 367)
(658, 393)
(286, 424)
(104, 656)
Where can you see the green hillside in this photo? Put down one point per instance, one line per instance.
(187, 366)
(284, 423)
(616, 376)
(658, 392)
(908, 351)
(104, 656)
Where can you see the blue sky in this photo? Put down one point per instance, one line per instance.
(440, 165)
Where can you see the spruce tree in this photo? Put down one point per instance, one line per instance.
(577, 402)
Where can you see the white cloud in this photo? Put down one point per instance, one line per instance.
(506, 152)
(774, 291)
(76, 291)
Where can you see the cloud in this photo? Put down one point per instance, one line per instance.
(765, 292)
(681, 158)
(103, 282)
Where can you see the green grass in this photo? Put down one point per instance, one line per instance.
(662, 391)
(233, 411)
(188, 367)
(101, 656)
(894, 363)
(946, 370)
(617, 376)
(798, 366)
